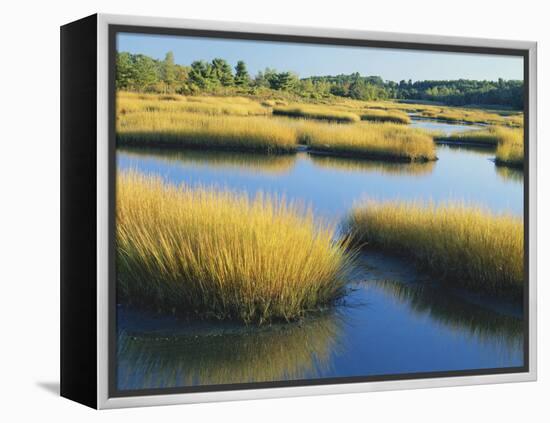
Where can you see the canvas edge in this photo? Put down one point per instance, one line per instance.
(103, 400)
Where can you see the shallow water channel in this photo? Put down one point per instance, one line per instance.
(395, 320)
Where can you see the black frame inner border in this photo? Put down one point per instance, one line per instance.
(114, 29)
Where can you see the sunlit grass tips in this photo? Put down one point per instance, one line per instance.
(221, 254)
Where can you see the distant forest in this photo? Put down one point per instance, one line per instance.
(138, 72)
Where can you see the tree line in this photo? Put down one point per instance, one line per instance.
(138, 72)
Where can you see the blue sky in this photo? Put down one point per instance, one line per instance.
(307, 60)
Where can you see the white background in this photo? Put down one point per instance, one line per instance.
(29, 209)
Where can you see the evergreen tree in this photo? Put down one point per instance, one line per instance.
(284, 81)
(242, 78)
(199, 74)
(221, 72)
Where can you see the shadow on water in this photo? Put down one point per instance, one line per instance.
(487, 319)
(203, 353)
(247, 162)
(273, 163)
(457, 314)
(481, 150)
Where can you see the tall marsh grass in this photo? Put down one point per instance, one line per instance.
(466, 246)
(235, 106)
(369, 140)
(222, 255)
(162, 128)
(510, 149)
(508, 141)
(393, 116)
(490, 136)
(145, 120)
(316, 112)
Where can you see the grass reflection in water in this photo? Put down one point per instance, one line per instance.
(225, 354)
(246, 162)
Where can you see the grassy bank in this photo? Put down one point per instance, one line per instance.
(508, 141)
(394, 116)
(452, 114)
(490, 136)
(233, 124)
(510, 150)
(463, 115)
(219, 254)
(369, 140)
(161, 128)
(316, 112)
(466, 246)
(213, 106)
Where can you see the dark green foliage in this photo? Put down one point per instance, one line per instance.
(284, 81)
(200, 74)
(141, 73)
(464, 92)
(242, 78)
(146, 72)
(169, 70)
(221, 73)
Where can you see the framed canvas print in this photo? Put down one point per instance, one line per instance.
(253, 211)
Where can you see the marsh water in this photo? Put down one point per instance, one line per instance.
(394, 320)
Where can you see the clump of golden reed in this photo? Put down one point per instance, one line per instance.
(452, 114)
(509, 143)
(466, 246)
(222, 255)
(162, 128)
(377, 115)
(491, 136)
(316, 112)
(384, 141)
(510, 149)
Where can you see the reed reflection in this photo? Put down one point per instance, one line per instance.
(214, 354)
(246, 162)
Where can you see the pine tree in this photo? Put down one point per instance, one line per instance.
(242, 78)
(221, 71)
